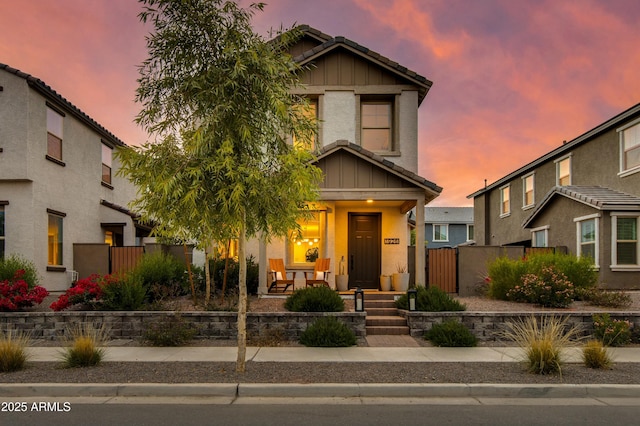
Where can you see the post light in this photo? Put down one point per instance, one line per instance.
(412, 295)
(359, 295)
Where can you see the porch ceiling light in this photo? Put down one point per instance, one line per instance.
(370, 201)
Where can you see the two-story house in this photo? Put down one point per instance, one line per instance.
(367, 145)
(58, 183)
(583, 195)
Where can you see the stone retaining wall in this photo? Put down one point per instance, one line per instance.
(210, 325)
(489, 326)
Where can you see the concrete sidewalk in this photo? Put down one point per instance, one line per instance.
(304, 354)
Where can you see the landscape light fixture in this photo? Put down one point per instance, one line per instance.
(412, 296)
(359, 302)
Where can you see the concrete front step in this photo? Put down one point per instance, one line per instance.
(393, 321)
(387, 330)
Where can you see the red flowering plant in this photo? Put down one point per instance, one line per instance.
(550, 289)
(87, 291)
(15, 293)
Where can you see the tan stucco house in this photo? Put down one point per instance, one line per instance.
(367, 145)
(58, 183)
(583, 195)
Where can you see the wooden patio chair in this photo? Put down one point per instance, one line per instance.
(279, 276)
(320, 273)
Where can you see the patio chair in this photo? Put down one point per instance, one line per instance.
(279, 276)
(320, 273)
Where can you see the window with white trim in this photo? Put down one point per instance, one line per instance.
(470, 232)
(563, 171)
(630, 147)
(440, 233)
(528, 195)
(587, 237)
(376, 125)
(540, 237)
(505, 200)
(625, 240)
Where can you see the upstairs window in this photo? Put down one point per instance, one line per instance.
(106, 163)
(563, 171)
(505, 201)
(528, 198)
(441, 233)
(312, 113)
(630, 148)
(54, 134)
(376, 126)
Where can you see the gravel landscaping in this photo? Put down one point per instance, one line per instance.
(322, 372)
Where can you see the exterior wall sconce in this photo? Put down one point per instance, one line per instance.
(412, 296)
(359, 301)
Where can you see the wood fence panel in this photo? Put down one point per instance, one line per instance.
(124, 259)
(443, 269)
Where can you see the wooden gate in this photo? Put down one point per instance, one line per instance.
(443, 268)
(124, 259)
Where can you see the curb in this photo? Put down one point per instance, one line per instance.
(319, 390)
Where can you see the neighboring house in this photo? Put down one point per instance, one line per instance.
(367, 145)
(584, 195)
(448, 226)
(58, 183)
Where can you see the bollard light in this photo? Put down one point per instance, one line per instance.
(412, 295)
(359, 295)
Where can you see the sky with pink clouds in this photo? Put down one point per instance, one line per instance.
(512, 78)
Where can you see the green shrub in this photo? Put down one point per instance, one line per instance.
(431, 299)
(172, 331)
(505, 274)
(543, 341)
(548, 288)
(451, 333)
(161, 275)
(83, 348)
(13, 351)
(126, 294)
(15, 263)
(314, 299)
(611, 332)
(595, 355)
(328, 332)
(216, 268)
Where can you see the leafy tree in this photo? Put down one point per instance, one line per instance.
(217, 97)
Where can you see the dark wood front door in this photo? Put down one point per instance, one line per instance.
(364, 250)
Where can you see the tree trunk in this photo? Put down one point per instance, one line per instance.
(207, 278)
(226, 269)
(242, 302)
(188, 262)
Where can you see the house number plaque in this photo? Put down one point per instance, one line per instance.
(392, 240)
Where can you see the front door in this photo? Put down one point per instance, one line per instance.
(364, 250)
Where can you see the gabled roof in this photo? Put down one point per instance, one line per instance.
(598, 197)
(330, 43)
(450, 215)
(432, 189)
(564, 149)
(54, 96)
